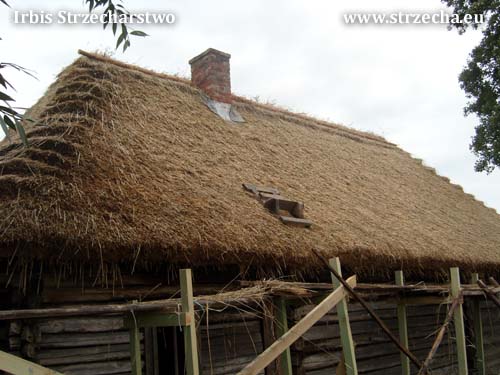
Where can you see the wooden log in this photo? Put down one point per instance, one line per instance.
(86, 358)
(488, 293)
(48, 354)
(81, 325)
(84, 339)
(170, 305)
(97, 368)
(18, 366)
(129, 293)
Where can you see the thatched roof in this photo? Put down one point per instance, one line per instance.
(130, 166)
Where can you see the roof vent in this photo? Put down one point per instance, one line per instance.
(289, 212)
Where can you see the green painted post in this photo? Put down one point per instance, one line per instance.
(135, 350)
(282, 328)
(458, 318)
(190, 343)
(345, 328)
(478, 330)
(403, 327)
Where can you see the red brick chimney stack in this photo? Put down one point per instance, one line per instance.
(210, 72)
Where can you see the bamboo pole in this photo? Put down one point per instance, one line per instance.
(370, 311)
(190, 342)
(478, 330)
(403, 327)
(458, 319)
(344, 325)
(282, 328)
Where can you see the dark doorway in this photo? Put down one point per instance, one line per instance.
(171, 351)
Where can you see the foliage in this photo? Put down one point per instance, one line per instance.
(10, 118)
(480, 80)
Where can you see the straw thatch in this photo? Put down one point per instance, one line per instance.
(129, 166)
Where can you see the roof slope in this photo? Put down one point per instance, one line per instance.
(131, 166)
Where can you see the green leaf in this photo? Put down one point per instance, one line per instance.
(8, 110)
(9, 122)
(5, 129)
(115, 26)
(120, 39)
(138, 33)
(5, 97)
(126, 45)
(22, 133)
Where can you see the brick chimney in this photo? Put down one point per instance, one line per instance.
(210, 72)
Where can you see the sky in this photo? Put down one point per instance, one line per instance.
(398, 81)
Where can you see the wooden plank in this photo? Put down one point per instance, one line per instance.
(478, 331)
(272, 352)
(190, 341)
(18, 366)
(135, 351)
(403, 327)
(344, 325)
(282, 328)
(296, 221)
(81, 325)
(153, 319)
(458, 318)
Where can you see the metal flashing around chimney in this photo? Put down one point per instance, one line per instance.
(225, 111)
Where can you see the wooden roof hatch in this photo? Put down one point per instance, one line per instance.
(289, 212)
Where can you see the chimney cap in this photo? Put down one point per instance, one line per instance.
(207, 52)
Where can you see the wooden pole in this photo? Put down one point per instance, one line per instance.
(478, 330)
(403, 327)
(344, 326)
(135, 350)
(488, 293)
(190, 342)
(294, 333)
(439, 336)
(458, 318)
(282, 328)
(370, 311)
(18, 366)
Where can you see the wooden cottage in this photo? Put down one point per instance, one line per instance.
(132, 175)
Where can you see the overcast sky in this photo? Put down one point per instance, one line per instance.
(397, 81)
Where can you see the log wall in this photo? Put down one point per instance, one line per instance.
(491, 333)
(319, 351)
(229, 340)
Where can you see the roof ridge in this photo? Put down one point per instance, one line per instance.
(273, 108)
